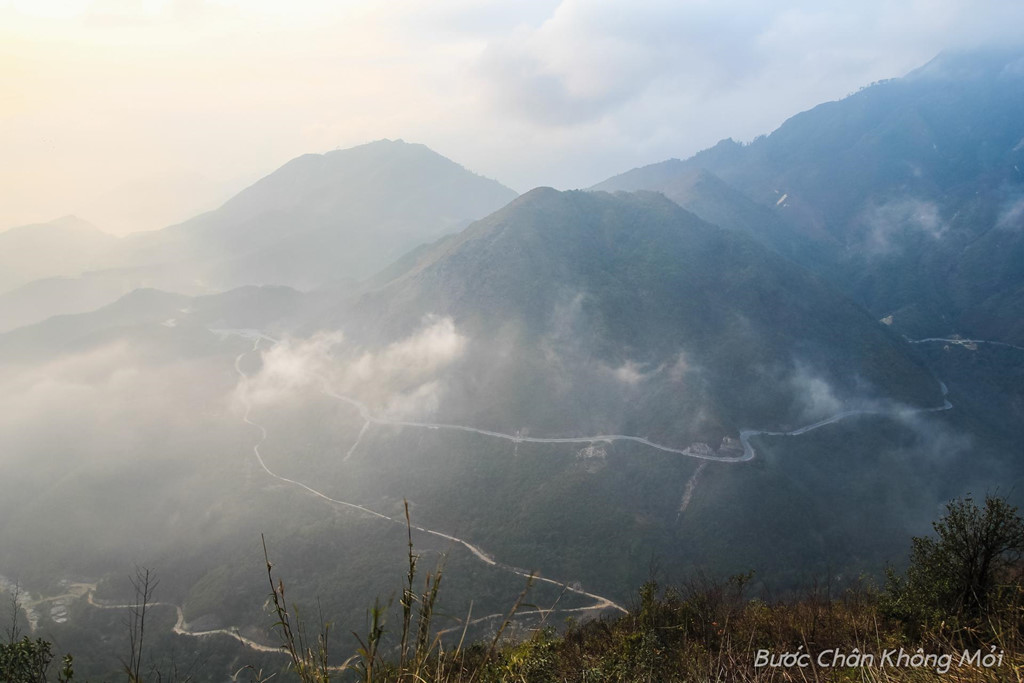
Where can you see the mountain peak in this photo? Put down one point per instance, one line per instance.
(366, 164)
(894, 193)
(68, 222)
(603, 292)
(326, 218)
(538, 194)
(968, 65)
(72, 222)
(384, 146)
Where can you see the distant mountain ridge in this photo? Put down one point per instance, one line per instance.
(324, 218)
(604, 307)
(908, 194)
(586, 312)
(320, 219)
(61, 247)
(678, 319)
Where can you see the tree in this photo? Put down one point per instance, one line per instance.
(23, 660)
(13, 632)
(958, 571)
(27, 661)
(144, 584)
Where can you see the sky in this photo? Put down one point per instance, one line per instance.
(135, 114)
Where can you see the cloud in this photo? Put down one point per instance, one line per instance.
(290, 367)
(941, 443)
(417, 402)
(815, 397)
(590, 58)
(1011, 217)
(600, 87)
(72, 384)
(632, 373)
(680, 368)
(405, 379)
(411, 360)
(532, 93)
(105, 407)
(889, 223)
(401, 380)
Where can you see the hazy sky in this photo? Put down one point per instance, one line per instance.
(137, 113)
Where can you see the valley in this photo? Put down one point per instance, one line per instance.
(774, 360)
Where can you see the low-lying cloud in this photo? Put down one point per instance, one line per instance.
(815, 396)
(1011, 217)
(887, 225)
(401, 380)
(289, 367)
(113, 393)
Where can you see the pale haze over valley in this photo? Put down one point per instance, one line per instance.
(641, 318)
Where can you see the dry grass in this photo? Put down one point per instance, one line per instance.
(704, 631)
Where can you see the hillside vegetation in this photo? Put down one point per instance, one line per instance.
(957, 611)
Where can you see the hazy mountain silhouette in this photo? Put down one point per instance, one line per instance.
(593, 312)
(62, 247)
(743, 293)
(320, 218)
(909, 194)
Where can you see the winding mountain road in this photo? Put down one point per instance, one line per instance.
(370, 418)
(962, 342)
(601, 603)
(182, 629)
(748, 450)
(745, 434)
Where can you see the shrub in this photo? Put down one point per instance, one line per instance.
(957, 572)
(27, 661)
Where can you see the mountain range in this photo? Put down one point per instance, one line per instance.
(319, 219)
(709, 364)
(599, 313)
(63, 247)
(908, 195)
